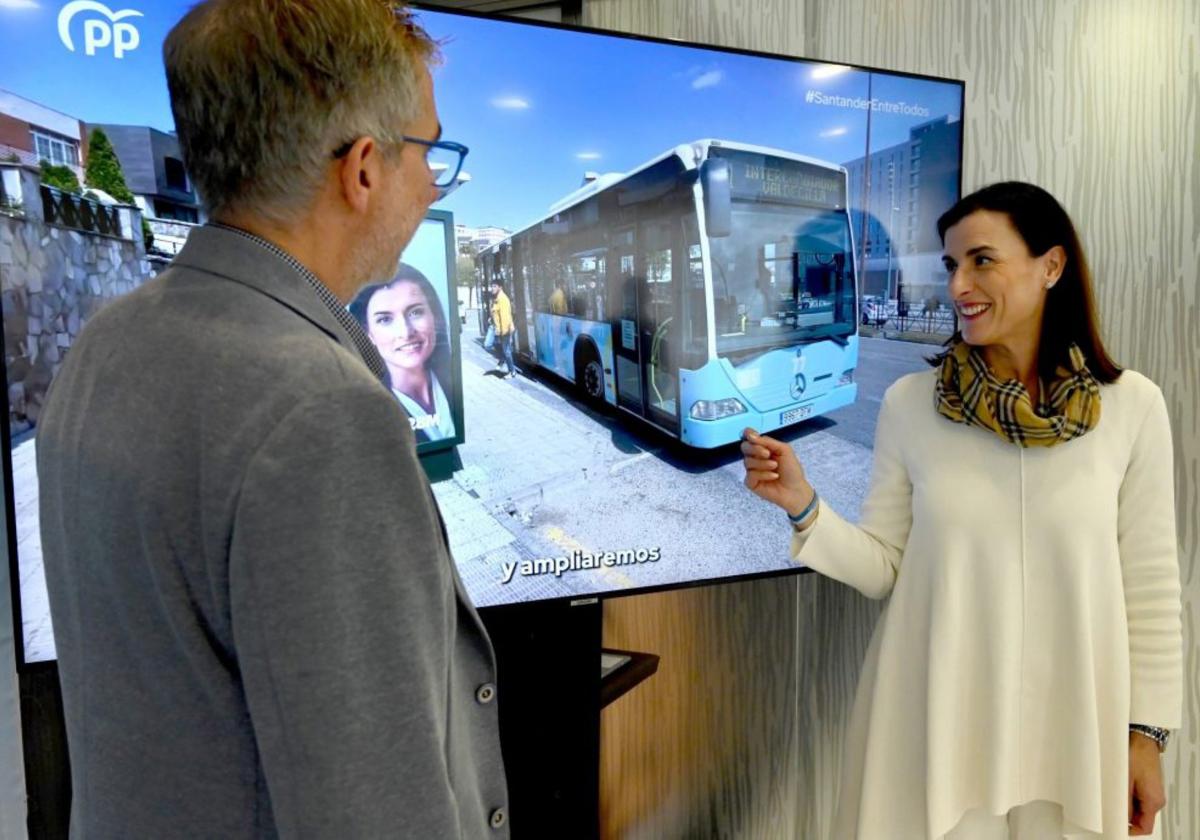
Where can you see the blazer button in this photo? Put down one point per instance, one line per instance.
(486, 693)
(499, 818)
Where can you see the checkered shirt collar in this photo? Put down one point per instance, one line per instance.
(370, 355)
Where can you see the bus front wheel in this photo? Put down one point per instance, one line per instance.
(589, 374)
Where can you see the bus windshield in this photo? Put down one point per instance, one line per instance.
(783, 276)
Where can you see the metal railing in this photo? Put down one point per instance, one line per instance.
(909, 317)
(79, 213)
(11, 154)
(938, 322)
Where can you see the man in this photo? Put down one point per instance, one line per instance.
(558, 299)
(761, 304)
(260, 629)
(502, 320)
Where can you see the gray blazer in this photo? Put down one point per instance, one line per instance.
(260, 630)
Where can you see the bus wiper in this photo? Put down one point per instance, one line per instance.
(737, 357)
(837, 333)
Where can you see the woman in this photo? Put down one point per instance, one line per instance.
(405, 322)
(1021, 516)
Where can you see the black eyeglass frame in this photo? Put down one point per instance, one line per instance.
(446, 145)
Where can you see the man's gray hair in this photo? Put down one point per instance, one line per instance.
(264, 91)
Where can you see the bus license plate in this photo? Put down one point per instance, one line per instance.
(794, 415)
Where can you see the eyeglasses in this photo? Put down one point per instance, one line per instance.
(445, 157)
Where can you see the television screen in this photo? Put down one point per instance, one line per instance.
(651, 245)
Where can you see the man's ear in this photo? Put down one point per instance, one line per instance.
(358, 173)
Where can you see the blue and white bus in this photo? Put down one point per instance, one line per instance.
(710, 289)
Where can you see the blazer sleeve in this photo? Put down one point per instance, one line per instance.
(1150, 571)
(866, 556)
(342, 621)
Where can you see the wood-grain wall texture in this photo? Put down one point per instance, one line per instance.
(1099, 102)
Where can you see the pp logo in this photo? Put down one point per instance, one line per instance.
(97, 33)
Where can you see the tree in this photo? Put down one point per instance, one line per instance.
(104, 169)
(61, 177)
(465, 270)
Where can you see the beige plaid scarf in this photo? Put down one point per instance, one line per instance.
(968, 392)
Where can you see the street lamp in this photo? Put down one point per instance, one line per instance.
(892, 208)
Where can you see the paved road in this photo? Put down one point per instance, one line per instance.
(561, 478)
(880, 363)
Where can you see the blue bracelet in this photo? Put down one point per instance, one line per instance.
(804, 514)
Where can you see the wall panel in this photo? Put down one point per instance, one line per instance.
(1099, 102)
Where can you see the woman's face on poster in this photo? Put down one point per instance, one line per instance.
(400, 322)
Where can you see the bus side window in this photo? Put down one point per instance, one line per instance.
(577, 289)
(578, 306)
(599, 289)
(557, 299)
(538, 258)
(628, 290)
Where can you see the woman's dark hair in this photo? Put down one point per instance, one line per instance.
(1070, 316)
(439, 362)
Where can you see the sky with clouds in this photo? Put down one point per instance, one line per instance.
(540, 106)
(537, 106)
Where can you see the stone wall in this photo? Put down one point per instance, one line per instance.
(52, 280)
(169, 235)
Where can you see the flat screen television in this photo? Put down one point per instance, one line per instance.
(690, 240)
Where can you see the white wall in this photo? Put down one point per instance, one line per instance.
(1099, 102)
(40, 116)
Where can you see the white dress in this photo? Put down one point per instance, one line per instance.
(1034, 613)
(437, 426)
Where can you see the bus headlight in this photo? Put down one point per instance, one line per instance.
(846, 378)
(716, 409)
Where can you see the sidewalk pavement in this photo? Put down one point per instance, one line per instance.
(523, 443)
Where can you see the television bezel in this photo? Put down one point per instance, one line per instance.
(583, 598)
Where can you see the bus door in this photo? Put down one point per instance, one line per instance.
(522, 298)
(505, 274)
(530, 314)
(623, 271)
(658, 267)
(478, 292)
(483, 295)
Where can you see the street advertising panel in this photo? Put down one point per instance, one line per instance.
(411, 319)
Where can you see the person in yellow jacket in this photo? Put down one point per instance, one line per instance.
(502, 320)
(558, 300)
